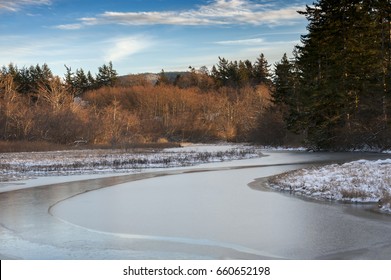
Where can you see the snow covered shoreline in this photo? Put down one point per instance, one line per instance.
(15, 167)
(361, 181)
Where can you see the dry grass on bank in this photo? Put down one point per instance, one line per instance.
(42, 146)
(360, 181)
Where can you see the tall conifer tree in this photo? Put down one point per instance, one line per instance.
(343, 64)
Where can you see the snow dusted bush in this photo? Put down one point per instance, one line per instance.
(385, 202)
(359, 181)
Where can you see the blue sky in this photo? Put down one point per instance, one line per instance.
(146, 35)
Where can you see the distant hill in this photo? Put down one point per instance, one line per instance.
(146, 78)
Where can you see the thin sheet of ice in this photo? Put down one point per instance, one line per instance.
(218, 209)
(239, 218)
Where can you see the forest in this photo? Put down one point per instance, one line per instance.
(336, 89)
(333, 93)
(106, 109)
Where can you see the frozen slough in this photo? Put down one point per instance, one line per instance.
(361, 181)
(248, 218)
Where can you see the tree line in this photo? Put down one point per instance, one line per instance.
(29, 80)
(196, 105)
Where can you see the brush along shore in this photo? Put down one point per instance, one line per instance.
(361, 181)
(18, 166)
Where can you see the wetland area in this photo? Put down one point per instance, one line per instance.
(218, 210)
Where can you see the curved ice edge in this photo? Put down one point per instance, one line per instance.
(180, 240)
(183, 240)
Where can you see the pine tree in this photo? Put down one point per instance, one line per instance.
(342, 65)
(221, 72)
(245, 73)
(261, 71)
(81, 82)
(69, 76)
(91, 81)
(283, 87)
(106, 75)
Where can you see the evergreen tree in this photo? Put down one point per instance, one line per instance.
(28, 80)
(221, 72)
(343, 71)
(69, 77)
(236, 74)
(261, 70)
(106, 75)
(246, 73)
(23, 79)
(284, 92)
(81, 82)
(91, 81)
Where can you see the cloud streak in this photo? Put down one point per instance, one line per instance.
(217, 12)
(124, 47)
(25, 49)
(16, 5)
(245, 42)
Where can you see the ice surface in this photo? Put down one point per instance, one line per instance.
(205, 211)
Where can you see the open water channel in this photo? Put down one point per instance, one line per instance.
(213, 211)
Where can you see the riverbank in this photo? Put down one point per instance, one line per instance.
(361, 181)
(27, 165)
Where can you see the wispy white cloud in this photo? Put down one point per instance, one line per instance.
(254, 41)
(74, 26)
(120, 48)
(23, 49)
(217, 12)
(16, 5)
(30, 50)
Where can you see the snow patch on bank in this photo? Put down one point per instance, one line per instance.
(361, 181)
(15, 167)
